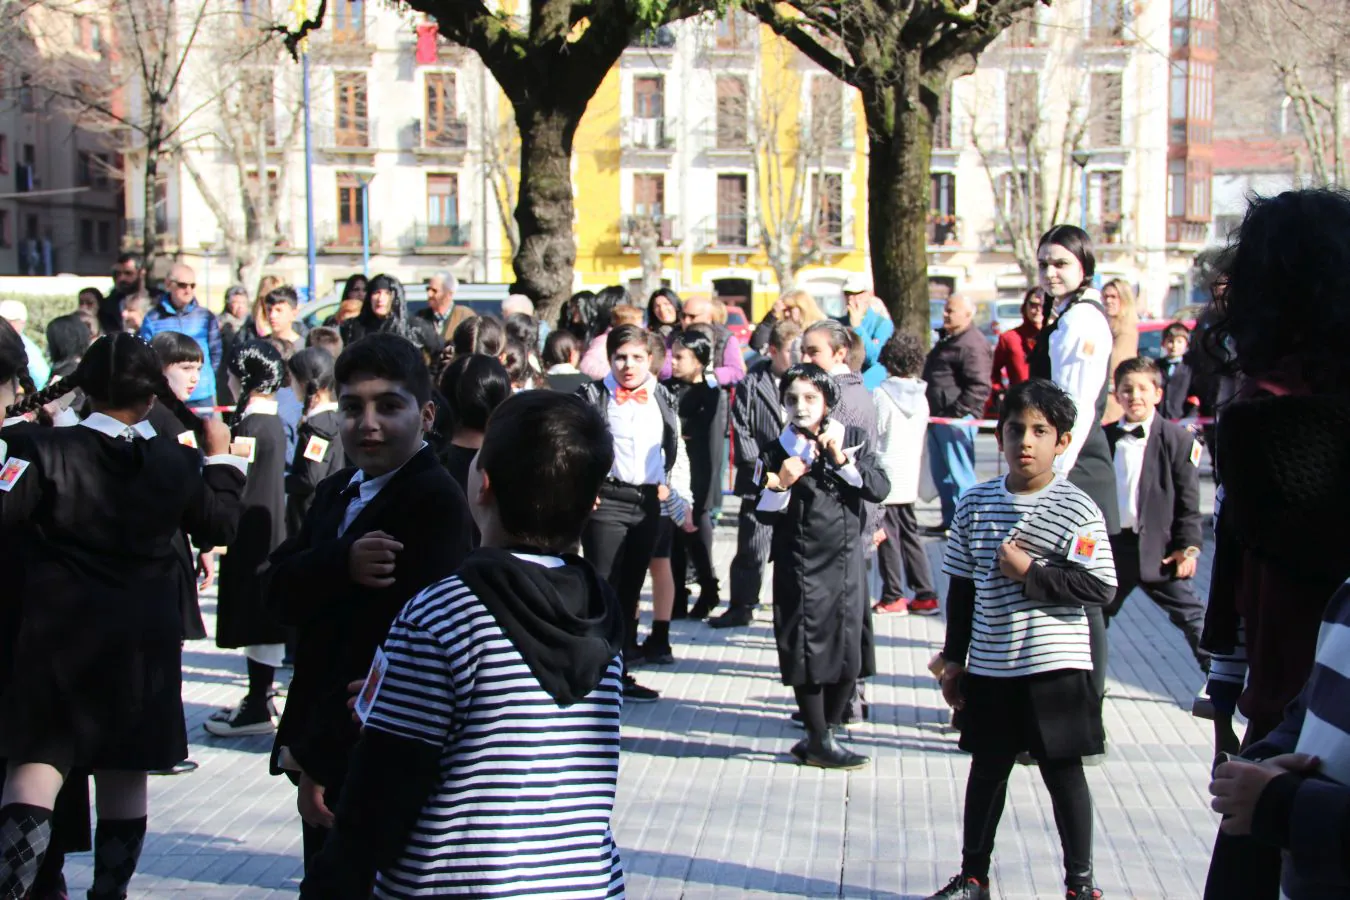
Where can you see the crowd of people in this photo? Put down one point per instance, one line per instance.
(444, 523)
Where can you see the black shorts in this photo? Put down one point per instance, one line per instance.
(1054, 715)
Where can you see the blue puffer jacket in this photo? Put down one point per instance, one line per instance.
(198, 323)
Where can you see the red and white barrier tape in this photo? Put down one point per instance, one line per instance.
(993, 423)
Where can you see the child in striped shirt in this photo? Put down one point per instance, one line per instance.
(1027, 552)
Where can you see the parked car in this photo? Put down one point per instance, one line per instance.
(484, 299)
(1150, 335)
(739, 325)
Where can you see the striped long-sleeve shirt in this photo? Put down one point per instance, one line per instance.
(1309, 817)
(526, 788)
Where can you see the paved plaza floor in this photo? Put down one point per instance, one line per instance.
(711, 805)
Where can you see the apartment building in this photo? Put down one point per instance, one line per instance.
(60, 196)
(398, 118)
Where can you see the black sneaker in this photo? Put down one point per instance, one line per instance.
(1083, 892)
(963, 887)
(636, 693)
(249, 718)
(225, 713)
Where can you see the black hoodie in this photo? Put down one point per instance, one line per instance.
(565, 621)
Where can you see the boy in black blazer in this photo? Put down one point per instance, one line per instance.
(375, 536)
(1176, 373)
(1158, 486)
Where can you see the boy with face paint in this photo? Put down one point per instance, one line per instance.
(817, 480)
(621, 535)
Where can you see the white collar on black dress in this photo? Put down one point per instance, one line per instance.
(107, 425)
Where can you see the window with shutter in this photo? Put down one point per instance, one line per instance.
(733, 127)
(828, 188)
(443, 211)
(352, 126)
(942, 125)
(1107, 24)
(827, 112)
(443, 128)
(1107, 102)
(347, 21)
(349, 210)
(732, 212)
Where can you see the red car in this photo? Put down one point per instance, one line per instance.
(738, 325)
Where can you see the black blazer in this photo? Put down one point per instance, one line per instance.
(1169, 496)
(338, 623)
(756, 422)
(596, 394)
(1176, 388)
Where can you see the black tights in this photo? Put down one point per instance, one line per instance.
(260, 678)
(823, 705)
(986, 791)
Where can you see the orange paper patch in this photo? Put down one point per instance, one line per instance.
(1084, 548)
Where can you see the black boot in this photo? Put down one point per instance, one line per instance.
(708, 600)
(736, 617)
(824, 752)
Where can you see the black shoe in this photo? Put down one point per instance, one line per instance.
(652, 654)
(707, 602)
(798, 751)
(1083, 891)
(636, 693)
(225, 713)
(736, 617)
(249, 718)
(963, 887)
(822, 752)
(179, 768)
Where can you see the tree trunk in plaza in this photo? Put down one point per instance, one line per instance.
(547, 253)
(900, 118)
(902, 56)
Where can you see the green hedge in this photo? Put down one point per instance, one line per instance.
(41, 310)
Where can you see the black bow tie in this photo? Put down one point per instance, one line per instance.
(351, 491)
(1136, 431)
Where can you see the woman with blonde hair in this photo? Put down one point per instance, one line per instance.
(1123, 314)
(795, 305)
(258, 317)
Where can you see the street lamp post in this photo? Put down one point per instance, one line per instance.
(1081, 158)
(364, 179)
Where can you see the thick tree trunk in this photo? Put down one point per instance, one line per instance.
(900, 139)
(547, 253)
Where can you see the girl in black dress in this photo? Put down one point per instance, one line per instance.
(474, 385)
(815, 480)
(702, 408)
(242, 617)
(96, 670)
(318, 450)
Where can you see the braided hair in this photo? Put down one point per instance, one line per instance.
(120, 370)
(260, 370)
(312, 369)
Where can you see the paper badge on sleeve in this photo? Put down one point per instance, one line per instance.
(1197, 452)
(365, 701)
(188, 439)
(247, 447)
(11, 473)
(1084, 548)
(316, 449)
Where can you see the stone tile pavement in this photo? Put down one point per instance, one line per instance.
(711, 806)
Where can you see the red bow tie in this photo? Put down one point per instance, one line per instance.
(623, 395)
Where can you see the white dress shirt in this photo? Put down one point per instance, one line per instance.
(1080, 355)
(370, 488)
(638, 430)
(1129, 464)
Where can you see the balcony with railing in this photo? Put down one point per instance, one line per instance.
(345, 237)
(447, 137)
(728, 233)
(828, 133)
(354, 137)
(832, 233)
(1183, 231)
(728, 135)
(449, 237)
(1108, 230)
(943, 230)
(634, 229)
(648, 134)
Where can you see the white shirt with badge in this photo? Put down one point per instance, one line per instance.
(1080, 355)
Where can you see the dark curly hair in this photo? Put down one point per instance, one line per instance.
(902, 356)
(1042, 396)
(1282, 301)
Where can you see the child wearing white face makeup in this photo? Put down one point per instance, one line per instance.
(816, 479)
